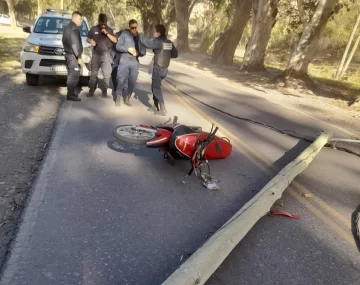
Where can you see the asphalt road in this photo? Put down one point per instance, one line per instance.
(103, 212)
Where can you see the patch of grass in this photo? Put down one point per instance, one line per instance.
(12, 41)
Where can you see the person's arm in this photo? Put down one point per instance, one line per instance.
(120, 45)
(149, 42)
(90, 37)
(75, 44)
(174, 52)
(110, 35)
(139, 47)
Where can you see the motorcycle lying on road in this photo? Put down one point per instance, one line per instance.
(179, 141)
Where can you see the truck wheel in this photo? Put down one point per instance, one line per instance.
(32, 79)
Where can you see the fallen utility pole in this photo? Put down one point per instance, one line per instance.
(203, 263)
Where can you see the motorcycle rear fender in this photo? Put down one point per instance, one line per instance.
(162, 138)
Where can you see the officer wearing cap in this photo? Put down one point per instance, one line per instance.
(73, 49)
(102, 38)
(164, 50)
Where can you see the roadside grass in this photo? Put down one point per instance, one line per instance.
(12, 40)
(322, 71)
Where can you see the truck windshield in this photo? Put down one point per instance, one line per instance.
(51, 25)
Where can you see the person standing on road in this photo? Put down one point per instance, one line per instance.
(128, 68)
(73, 50)
(164, 50)
(115, 64)
(102, 38)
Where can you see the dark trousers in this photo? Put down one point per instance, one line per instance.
(73, 69)
(128, 71)
(102, 60)
(158, 74)
(113, 76)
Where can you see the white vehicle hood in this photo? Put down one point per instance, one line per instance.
(52, 40)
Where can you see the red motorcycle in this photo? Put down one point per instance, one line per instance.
(179, 141)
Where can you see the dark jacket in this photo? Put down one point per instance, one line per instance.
(72, 40)
(115, 54)
(125, 41)
(156, 44)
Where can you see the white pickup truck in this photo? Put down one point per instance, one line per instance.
(43, 51)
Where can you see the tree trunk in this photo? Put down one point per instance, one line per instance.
(341, 66)
(300, 4)
(111, 14)
(170, 15)
(304, 51)
(350, 56)
(10, 4)
(38, 8)
(182, 18)
(264, 18)
(146, 24)
(157, 13)
(226, 44)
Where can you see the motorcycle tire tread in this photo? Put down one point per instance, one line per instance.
(127, 139)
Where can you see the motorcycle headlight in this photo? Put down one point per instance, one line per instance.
(29, 47)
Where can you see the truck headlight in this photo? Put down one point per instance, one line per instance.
(29, 47)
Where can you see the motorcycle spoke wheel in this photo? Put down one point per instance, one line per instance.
(130, 134)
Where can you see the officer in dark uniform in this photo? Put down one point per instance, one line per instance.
(102, 38)
(115, 64)
(164, 50)
(73, 49)
(128, 69)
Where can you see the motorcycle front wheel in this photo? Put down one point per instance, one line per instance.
(134, 134)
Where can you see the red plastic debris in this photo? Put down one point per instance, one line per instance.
(282, 213)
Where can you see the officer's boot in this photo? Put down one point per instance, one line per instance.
(71, 95)
(118, 101)
(127, 101)
(162, 111)
(154, 108)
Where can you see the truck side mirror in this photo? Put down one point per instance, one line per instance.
(27, 29)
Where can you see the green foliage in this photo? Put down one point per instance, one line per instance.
(211, 22)
(288, 28)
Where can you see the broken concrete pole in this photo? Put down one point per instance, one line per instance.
(203, 263)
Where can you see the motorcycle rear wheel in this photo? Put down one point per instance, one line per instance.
(134, 134)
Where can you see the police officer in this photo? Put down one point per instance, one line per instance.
(102, 38)
(128, 65)
(163, 49)
(115, 65)
(73, 49)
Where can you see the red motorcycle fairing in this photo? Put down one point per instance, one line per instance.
(186, 145)
(162, 138)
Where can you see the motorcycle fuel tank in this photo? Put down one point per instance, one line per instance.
(185, 144)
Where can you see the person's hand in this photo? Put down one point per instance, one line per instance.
(104, 32)
(132, 51)
(92, 42)
(80, 62)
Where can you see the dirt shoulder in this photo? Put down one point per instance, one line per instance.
(27, 118)
(326, 103)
